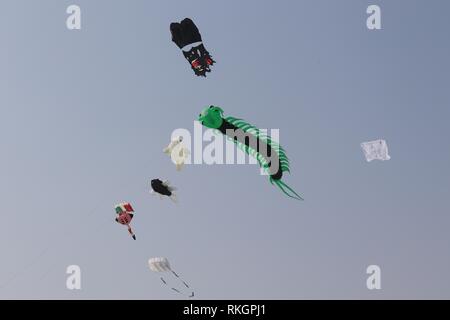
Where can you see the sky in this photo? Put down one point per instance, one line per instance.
(86, 114)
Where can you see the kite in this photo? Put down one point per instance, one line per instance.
(162, 265)
(124, 216)
(173, 143)
(269, 154)
(187, 37)
(177, 152)
(375, 150)
(163, 188)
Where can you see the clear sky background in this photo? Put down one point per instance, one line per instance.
(85, 116)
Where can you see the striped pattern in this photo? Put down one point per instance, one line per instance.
(246, 127)
(263, 137)
(159, 264)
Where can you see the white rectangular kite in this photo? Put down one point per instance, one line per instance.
(375, 150)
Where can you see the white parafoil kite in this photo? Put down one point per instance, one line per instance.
(161, 264)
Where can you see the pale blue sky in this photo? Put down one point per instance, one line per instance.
(85, 115)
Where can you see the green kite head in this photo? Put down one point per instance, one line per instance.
(211, 117)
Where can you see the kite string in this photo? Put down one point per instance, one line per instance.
(45, 274)
(50, 246)
(25, 268)
(47, 248)
(100, 227)
(179, 291)
(39, 256)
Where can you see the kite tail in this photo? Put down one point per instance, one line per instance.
(286, 189)
(131, 233)
(174, 198)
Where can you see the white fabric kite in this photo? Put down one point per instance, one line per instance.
(177, 152)
(375, 150)
(161, 264)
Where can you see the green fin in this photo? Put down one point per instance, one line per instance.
(284, 160)
(289, 192)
